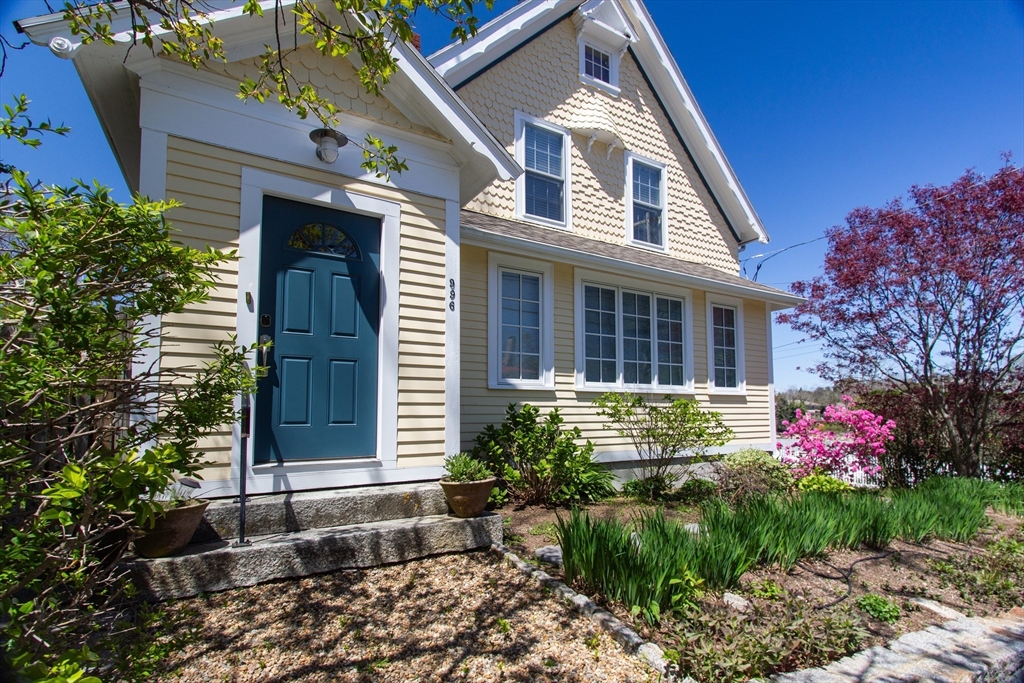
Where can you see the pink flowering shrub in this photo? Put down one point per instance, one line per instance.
(820, 447)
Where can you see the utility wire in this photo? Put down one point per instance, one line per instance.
(772, 254)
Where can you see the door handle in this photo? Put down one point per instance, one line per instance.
(264, 340)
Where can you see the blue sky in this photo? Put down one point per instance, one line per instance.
(820, 107)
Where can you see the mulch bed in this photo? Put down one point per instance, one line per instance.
(898, 576)
(467, 617)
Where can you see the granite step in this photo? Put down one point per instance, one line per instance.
(220, 565)
(304, 510)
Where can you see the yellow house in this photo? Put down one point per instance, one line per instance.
(623, 231)
(568, 226)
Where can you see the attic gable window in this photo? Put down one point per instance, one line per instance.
(543, 191)
(597, 64)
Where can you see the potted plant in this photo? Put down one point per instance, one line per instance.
(467, 484)
(174, 526)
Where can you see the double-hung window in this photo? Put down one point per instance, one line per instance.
(631, 338)
(597, 64)
(725, 345)
(645, 202)
(521, 323)
(543, 191)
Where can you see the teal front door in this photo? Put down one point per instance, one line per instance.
(319, 302)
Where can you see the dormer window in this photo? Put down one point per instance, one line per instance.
(604, 34)
(597, 64)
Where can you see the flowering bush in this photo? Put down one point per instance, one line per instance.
(842, 441)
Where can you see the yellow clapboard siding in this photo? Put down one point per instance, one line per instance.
(207, 180)
(482, 406)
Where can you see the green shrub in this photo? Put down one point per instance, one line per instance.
(823, 483)
(539, 462)
(880, 608)
(462, 467)
(662, 434)
(696, 490)
(750, 472)
(714, 644)
(81, 276)
(652, 489)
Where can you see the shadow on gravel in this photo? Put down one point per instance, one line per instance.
(398, 623)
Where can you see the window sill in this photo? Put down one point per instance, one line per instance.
(715, 391)
(544, 222)
(601, 85)
(521, 386)
(658, 248)
(635, 389)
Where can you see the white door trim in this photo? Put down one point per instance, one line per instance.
(296, 475)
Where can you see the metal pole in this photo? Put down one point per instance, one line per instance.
(242, 469)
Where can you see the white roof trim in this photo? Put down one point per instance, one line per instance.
(415, 84)
(479, 237)
(460, 62)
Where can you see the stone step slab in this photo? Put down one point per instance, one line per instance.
(301, 511)
(221, 566)
(958, 651)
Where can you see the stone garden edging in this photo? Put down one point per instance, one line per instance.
(989, 650)
(629, 639)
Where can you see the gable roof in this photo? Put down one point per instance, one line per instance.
(459, 63)
(110, 79)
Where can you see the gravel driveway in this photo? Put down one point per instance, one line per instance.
(467, 617)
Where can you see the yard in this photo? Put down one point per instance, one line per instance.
(804, 606)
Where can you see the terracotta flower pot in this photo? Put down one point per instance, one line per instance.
(172, 531)
(468, 499)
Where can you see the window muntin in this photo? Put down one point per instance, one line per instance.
(545, 173)
(632, 338)
(597, 64)
(324, 238)
(636, 338)
(600, 342)
(520, 340)
(723, 330)
(647, 203)
(671, 365)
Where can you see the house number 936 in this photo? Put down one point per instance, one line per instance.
(451, 294)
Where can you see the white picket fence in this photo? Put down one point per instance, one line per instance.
(857, 479)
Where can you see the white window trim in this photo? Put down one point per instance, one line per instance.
(495, 262)
(614, 57)
(630, 157)
(521, 120)
(741, 365)
(598, 279)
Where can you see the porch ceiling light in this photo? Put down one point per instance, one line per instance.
(327, 142)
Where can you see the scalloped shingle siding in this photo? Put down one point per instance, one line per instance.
(542, 79)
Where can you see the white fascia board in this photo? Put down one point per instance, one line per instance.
(661, 67)
(489, 240)
(42, 29)
(453, 114)
(460, 61)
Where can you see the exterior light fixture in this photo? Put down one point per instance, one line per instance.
(327, 143)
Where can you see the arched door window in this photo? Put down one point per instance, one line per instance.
(324, 238)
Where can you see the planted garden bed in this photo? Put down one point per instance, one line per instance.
(825, 575)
